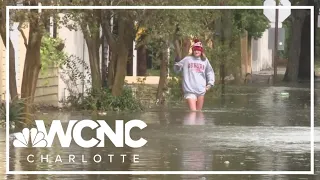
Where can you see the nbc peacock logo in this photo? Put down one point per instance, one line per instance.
(35, 137)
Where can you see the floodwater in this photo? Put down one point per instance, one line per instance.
(248, 129)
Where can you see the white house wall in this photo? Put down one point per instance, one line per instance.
(20, 52)
(47, 85)
(261, 55)
(2, 70)
(57, 89)
(74, 45)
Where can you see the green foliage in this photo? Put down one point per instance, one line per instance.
(105, 101)
(252, 21)
(51, 53)
(229, 56)
(75, 71)
(16, 112)
(168, 25)
(154, 47)
(208, 25)
(175, 89)
(153, 72)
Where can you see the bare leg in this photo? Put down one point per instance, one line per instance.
(192, 103)
(200, 103)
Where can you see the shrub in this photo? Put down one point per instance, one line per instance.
(16, 112)
(175, 89)
(105, 101)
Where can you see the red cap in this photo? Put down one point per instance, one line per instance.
(197, 46)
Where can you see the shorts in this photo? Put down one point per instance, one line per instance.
(191, 96)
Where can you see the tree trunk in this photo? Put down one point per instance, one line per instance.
(120, 70)
(316, 20)
(182, 48)
(181, 51)
(93, 49)
(12, 68)
(142, 60)
(92, 37)
(162, 87)
(186, 44)
(244, 54)
(316, 17)
(31, 70)
(249, 54)
(177, 48)
(109, 31)
(111, 69)
(304, 59)
(125, 38)
(130, 59)
(298, 17)
(12, 72)
(104, 63)
(3, 21)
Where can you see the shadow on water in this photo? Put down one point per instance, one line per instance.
(252, 129)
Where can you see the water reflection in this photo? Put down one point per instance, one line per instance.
(194, 118)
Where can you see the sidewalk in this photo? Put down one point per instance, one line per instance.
(268, 72)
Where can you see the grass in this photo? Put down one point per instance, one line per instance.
(153, 72)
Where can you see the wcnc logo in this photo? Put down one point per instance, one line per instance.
(38, 137)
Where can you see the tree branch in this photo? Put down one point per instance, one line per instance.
(85, 33)
(177, 49)
(23, 35)
(84, 27)
(106, 29)
(3, 35)
(120, 1)
(3, 21)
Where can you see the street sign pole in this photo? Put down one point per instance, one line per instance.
(276, 17)
(275, 59)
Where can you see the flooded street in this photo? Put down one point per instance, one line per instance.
(247, 129)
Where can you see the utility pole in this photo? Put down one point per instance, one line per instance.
(275, 59)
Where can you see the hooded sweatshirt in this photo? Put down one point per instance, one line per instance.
(197, 74)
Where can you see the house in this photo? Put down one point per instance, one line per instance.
(261, 57)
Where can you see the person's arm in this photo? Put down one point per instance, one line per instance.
(178, 66)
(210, 75)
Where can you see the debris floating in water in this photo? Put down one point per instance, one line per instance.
(102, 113)
(284, 94)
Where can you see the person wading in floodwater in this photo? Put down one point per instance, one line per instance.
(198, 76)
